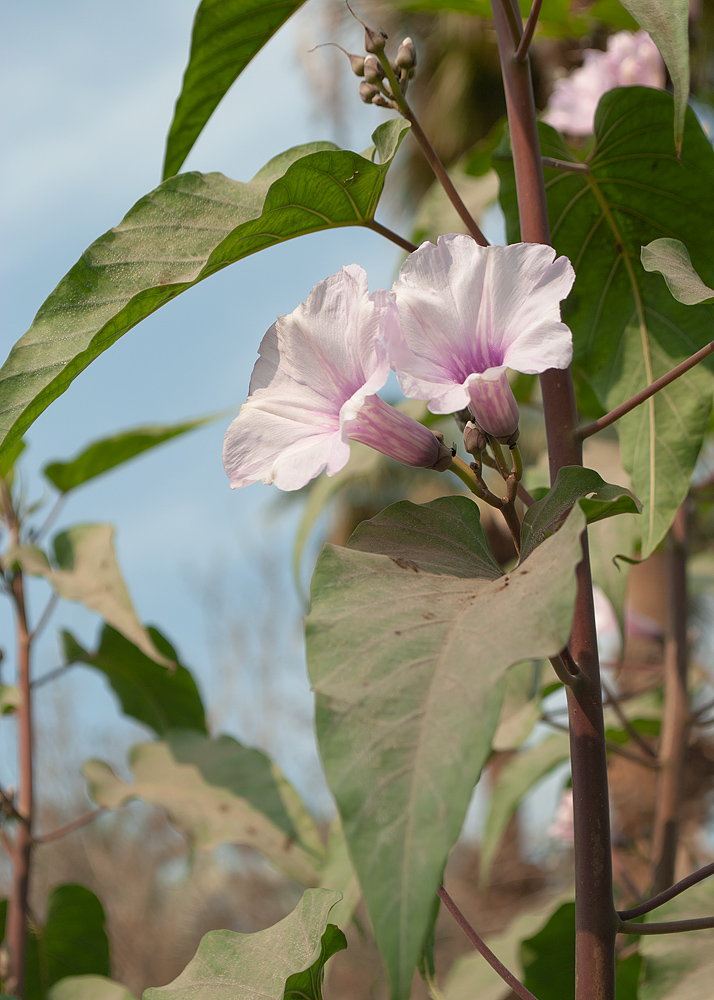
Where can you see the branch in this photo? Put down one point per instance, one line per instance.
(568, 166)
(8, 807)
(377, 227)
(614, 703)
(74, 824)
(52, 674)
(664, 897)
(527, 37)
(45, 616)
(667, 927)
(615, 748)
(482, 948)
(644, 394)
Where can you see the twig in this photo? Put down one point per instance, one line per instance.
(377, 227)
(609, 745)
(482, 948)
(568, 166)
(8, 806)
(527, 37)
(667, 927)
(53, 512)
(66, 828)
(45, 616)
(562, 673)
(52, 674)
(644, 394)
(614, 704)
(664, 897)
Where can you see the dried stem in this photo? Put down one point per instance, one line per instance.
(595, 918)
(644, 394)
(482, 948)
(664, 897)
(676, 717)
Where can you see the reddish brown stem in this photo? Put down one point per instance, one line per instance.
(388, 234)
(664, 897)
(667, 927)
(74, 824)
(482, 948)
(595, 918)
(16, 934)
(528, 32)
(676, 719)
(644, 394)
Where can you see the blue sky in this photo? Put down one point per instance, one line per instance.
(89, 93)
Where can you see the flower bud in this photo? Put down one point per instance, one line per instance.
(368, 92)
(374, 40)
(373, 72)
(398, 436)
(357, 64)
(406, 55)
(381, 101)
(474, 439)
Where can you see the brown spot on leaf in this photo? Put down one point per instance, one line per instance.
(405, 564)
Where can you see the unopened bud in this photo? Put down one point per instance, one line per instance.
(373, 72)
(357, 64)
(406, 55)
(381, 101)
(368, 92)
(474, 439)
(374, 40)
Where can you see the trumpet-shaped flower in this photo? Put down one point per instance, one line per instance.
(629, 60)
(466, 314)
(313, 388)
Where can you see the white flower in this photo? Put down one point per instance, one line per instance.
(313, 388)
(466, 314)
(630, 60)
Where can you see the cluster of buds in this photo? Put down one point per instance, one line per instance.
(385, 80)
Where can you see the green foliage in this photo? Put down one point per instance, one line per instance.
(87, 572)
(281, 961)
(226, 36)
(215, 791)
(161, 698)
(574, 483)
(627, 328)
(667, 22)
(671, 258)
(101, 456)
(72, 942)
(88, 988)
(407, 647)
(190, 227)
(517, 778)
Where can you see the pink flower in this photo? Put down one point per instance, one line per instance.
(629, 60)
(466, 314)
(313, 388)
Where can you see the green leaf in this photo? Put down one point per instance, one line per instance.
(307, 985)
(216, 791)
(627, 328)
(517, 778)
(7, 463)
(88, 988)
(667, 21)
(226, 35)
(338, 873)
(10, 698)
(574, 483)
(232, 966)
(162, 699)
(89, 574)
(190, 227)
(405, 652)
(100, 456)
(72, 942)
(671, 258)
(521, 706)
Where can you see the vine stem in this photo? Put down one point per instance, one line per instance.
(667, 927)
(482, 948)
(22, 843)
(528, 32)
(595, 918)
(663, 897)
(676, 718)
(644, 394)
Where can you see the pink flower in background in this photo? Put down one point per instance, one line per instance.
(629, 60)
(466, 314)
(313, 389)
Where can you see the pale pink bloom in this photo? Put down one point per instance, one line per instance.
(609, 636)
(562, 827)
(313, 388)
(466, 314)
(629, 60)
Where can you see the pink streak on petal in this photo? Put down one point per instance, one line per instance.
(393, 433)
(493, 405)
